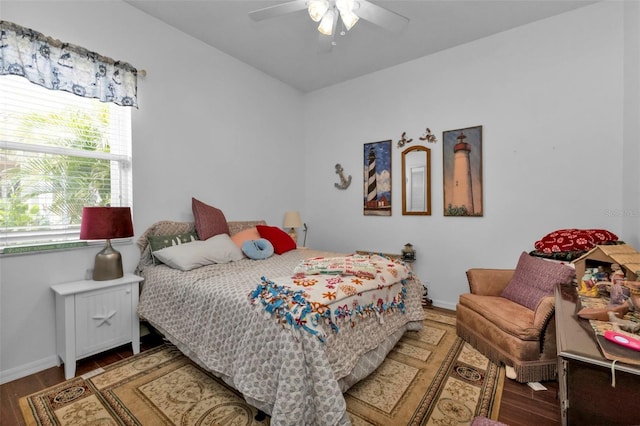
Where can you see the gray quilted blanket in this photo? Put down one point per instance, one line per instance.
(288, 373)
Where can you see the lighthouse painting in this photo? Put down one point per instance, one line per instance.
(462, 169)
(377, 178)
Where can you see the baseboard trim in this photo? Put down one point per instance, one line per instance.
(21, 371)
(443, 304)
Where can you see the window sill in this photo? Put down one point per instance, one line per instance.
(55, 246)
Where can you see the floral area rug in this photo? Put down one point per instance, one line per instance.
(431, 377)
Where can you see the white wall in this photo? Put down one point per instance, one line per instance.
(550, 99)
(208, 126)
(631, 153)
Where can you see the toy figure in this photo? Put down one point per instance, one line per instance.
(617, 278)
(587, 284)
(602, 314)
(601, 274)
(617, 274)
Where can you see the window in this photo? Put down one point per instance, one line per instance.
(58, 153)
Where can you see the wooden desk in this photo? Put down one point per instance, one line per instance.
(585, 376)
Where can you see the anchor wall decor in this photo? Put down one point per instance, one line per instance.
(344, 182)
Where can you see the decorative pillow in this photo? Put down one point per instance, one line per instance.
(209, 220)
(535, 278)
(574, 240)
(257, 249)
(217, 249)
(281, 241)
(246, 235)
(157, 242)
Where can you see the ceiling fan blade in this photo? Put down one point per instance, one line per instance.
(278, 9)
(380, 16)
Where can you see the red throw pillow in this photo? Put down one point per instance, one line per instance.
(280, 240)
(209, 221)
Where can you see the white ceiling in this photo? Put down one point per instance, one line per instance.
(285, 47)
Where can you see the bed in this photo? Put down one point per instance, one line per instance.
(222, 317)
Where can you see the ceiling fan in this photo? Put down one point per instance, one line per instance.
(328, 12)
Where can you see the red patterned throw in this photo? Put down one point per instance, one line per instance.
(567, 240)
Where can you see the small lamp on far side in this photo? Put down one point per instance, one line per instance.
(292, 221)
(106, 223)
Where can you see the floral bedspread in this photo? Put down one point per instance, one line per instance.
(334, 290)
(287, 373)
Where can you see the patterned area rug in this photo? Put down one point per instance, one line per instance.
(430, 378)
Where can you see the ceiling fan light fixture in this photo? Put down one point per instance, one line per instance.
(317, 9)
(344, 5)
(326, 25)
(349, 18)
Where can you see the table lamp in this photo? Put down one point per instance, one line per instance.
(292, 221)
(106, 223)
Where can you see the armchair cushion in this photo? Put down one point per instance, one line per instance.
(534, 279)
(510, 317)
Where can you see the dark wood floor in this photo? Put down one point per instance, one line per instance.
(521, 405)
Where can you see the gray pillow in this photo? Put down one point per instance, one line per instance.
(217, 249)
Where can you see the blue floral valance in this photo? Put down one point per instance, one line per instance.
(61, 66)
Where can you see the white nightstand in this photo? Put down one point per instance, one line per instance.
(93, 316)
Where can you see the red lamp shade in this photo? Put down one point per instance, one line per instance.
(105, 223)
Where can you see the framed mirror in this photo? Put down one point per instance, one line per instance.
(416, 181)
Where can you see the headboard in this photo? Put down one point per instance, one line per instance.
(169, 227)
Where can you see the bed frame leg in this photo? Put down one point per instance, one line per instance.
(260, 416)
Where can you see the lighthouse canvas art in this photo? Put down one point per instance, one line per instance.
(462, 169)
(377, 178)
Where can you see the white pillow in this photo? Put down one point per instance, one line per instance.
(217, 249)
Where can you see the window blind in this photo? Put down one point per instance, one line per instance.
(58, 153)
